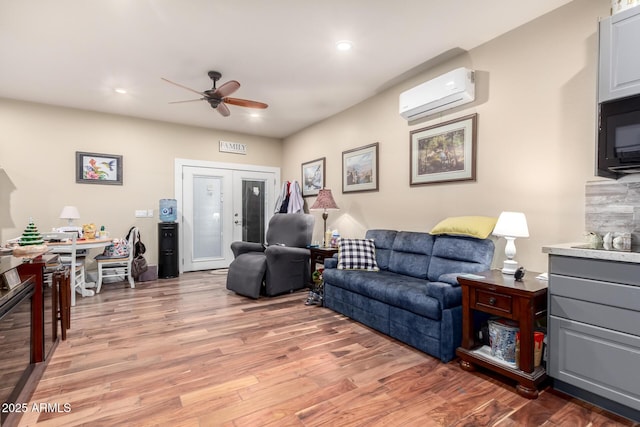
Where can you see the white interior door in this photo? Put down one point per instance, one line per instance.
(220, 205)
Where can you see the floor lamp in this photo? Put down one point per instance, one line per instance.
(325, 202)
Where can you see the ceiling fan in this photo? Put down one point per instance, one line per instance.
(219, 97)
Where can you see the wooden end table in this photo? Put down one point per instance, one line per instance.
(317, 257)
(501, 295)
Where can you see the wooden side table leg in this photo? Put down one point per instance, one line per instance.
(55, 298)
(528, 392)
(64, 294)
(67, 299)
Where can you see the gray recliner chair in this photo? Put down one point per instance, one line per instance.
(282, 264)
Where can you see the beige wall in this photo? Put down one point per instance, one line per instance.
(535, 102)
(37, 166)
(535, 152)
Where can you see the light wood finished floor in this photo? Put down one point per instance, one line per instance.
(187, 352)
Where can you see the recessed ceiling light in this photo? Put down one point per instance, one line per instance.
(120, 90)
(254, 115)
(344, 45)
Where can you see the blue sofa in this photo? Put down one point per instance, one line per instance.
(415, 296)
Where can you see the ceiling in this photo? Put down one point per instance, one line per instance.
(74, 53)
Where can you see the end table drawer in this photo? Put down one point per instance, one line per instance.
(492, 302)
(319, 258)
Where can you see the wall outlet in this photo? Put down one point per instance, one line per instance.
(150, 213)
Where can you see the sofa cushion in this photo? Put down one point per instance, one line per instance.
(411, 254)
(357, 254)
(457, 254)
(391, 288)
(383, 240)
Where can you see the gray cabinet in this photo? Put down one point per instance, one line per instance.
(594, 332)
(619, 67)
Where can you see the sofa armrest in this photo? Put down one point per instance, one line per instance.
(275, 252)
(239, 248)
(448, 295)
(331, 262)
(450, 278)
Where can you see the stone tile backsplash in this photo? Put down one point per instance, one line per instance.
(613, 206)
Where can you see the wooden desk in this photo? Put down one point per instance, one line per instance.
(500, 295)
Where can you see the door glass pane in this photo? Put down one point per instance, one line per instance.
(207, 217)
(253, 211)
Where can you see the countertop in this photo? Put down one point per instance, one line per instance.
(570, 249)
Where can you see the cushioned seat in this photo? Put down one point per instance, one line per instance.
(282, 264)
(415, 296)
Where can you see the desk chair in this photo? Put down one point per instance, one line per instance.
(117, 266)
(69, 256)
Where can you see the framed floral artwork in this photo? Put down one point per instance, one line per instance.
(444, 152)
(96, 168)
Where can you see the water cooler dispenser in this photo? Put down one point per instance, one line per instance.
(168, 259)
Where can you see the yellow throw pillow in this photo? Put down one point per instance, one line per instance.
(473, 226)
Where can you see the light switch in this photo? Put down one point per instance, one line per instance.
(141, 213)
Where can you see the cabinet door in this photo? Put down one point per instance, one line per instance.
(619, 68)
(602, 361)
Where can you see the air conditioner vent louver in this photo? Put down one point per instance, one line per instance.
(447, 91)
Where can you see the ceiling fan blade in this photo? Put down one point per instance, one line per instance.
(188, 100)
(227, 89)
(245, 103)
(223, 109)
(182, 86)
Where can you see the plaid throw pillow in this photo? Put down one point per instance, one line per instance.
(357, 254)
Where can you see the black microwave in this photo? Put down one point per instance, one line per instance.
(619, 137)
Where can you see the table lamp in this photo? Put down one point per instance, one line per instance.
(69, 213)
(324, 201)
(511, 225)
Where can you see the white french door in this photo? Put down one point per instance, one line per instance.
(220, 205)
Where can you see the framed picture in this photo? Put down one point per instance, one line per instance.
(360, 169)
(96, 168)
(313, 177)
(444, 152)
(11, 278)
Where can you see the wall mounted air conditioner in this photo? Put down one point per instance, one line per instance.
(449, 90)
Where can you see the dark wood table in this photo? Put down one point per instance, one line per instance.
(501, 295)
(317, 257)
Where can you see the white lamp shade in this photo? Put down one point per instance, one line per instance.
(511, 224)
(69, 212)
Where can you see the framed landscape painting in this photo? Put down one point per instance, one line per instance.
(95, 168)
(444, 152)
(360, 169)
(313, 177)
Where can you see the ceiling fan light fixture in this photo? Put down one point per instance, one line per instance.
(344, 45)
